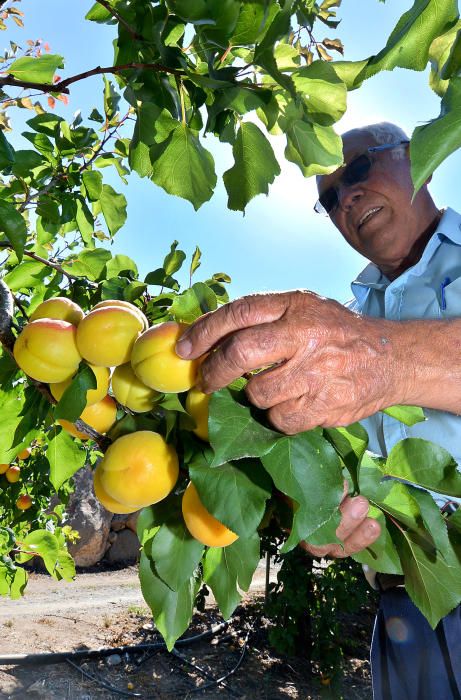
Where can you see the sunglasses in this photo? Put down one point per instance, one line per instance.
(356, 171)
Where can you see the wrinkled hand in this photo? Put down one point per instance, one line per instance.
(328, 366)
(356, 531)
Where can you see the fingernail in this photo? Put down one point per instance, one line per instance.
(359, 509)
(183, 348)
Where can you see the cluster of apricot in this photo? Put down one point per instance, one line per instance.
(12, 474)
(138, 364)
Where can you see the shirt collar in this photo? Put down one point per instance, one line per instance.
(371, 277)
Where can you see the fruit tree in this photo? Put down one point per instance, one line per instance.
(88, 371)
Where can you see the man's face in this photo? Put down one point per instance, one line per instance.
(376, 217)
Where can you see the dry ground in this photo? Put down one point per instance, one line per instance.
(106, 609)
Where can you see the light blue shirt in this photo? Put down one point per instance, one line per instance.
(431, 289)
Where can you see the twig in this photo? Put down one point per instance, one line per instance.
(120, 19)
(49, 263)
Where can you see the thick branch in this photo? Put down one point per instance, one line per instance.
(62, 85)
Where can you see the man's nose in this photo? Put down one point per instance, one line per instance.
(349, 195)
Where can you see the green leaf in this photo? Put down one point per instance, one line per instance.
(234, 433)
(350, 443)
(33, 414)
(25, 162)
(84, 219)
(235, 494)
(195, 262)
(381, 555)
(278, 28)
(92, 179)
(306, 468)
(408, 44)
(408, 415)
(315, 149)
(13, 226)
(435, 141)
(47, 124)
(228, 569)
(159, 278)
(193, 303)
(176, 554)
(64, 457)
(44, 544)
(172, 610)
(324, 93)
(111, 99)
(12, 403)
(174, 260)
(153, 125)
(36, 70)
(65, 566)
(425, 464)
(441, 53)
(254, 169)
(7, 154)
(73, 400)
(113, 206)
(432, 582)
(100, 14)
(18, 583)
(254, 19)
(183, 167)
(89, 263)
(27, 274)
(120, 264)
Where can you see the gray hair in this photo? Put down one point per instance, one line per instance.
(384, 132)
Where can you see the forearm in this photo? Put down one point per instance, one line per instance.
(426, 362)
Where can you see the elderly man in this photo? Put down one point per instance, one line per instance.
(399, 342)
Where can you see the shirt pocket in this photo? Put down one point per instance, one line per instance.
(449, 298)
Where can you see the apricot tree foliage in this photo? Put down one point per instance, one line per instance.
(240, 70)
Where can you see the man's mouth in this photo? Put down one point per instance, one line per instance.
(367, 215)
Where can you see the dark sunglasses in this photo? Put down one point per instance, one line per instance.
(356, 171)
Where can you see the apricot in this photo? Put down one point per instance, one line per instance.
(201, 524)
(47, 351)
(131, 392)
(106, 336)
(155, 362)
(24, 502)
(109, 503)
(12, 474)
(139, 469)
(25, 453)
(125, 305)
(197, 406)
(92, 395)
(101, 416)
(59, 308)
(4, 468)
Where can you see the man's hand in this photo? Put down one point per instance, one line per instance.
(356, 531)
(327, 365)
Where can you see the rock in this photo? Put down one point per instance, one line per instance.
(90, 518)
(114, 660)
(125, 549)
(132, 521)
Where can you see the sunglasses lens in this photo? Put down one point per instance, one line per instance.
(329, 199)
(357, 170)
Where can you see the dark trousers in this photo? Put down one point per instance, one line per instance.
(410, 660)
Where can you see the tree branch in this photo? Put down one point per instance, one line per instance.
(49, 263)
(62, 85)
(120, 19)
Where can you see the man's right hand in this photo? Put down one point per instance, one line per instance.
(356, 530)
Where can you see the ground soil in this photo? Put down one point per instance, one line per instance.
(106, 609)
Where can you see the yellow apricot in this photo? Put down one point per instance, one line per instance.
(102, 375)
(201, 524)
(101, 416)
(24, 502)
(123, 304)
(139, 469)
(25, 453)
(109, 503)
(131, 392)
(156, 363)
(197, 406)
(12, 474)
(106, 336)
(46, 350)
(4, 468)
(60, 308)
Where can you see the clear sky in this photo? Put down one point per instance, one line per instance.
(280, 243)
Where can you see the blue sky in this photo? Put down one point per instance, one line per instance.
(279, 243)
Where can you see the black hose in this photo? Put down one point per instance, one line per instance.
(61, 656)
